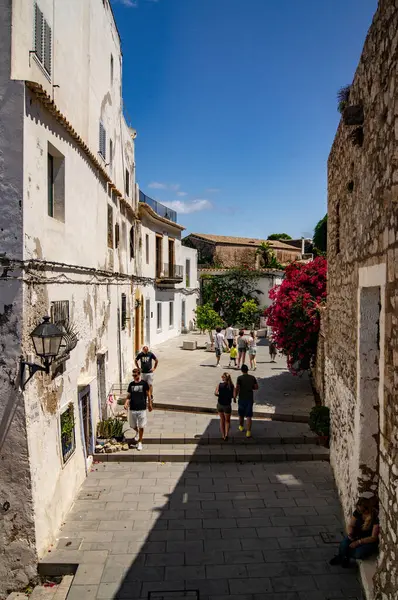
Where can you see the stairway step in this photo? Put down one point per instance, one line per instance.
(258, 412)
(236, 439)
(224, 452)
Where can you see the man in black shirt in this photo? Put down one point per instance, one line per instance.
(146, 358)
(136, 404)
(245, 386)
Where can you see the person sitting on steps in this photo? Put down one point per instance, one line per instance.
(363, 534)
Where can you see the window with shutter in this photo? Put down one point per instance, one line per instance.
(102, 140)
(39, 33)
(47, 47)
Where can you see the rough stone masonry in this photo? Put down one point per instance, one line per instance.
(361, 362)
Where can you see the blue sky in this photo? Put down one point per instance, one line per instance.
(234, 102)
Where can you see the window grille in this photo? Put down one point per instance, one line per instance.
(68, 438)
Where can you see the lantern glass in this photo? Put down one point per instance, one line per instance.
(47, 339)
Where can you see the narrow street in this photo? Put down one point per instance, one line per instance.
(256, 520)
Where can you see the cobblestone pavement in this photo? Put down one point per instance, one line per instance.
(190, 377)
(247, 532)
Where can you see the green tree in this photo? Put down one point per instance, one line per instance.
(227, 292)
(268, 256)
(207, 319)
(320, 238)
(279, 236)
(249, 314)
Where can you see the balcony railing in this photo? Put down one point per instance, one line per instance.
(170, 272)
(160, 209)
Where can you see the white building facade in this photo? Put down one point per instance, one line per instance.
(169, 298)
(69, 230)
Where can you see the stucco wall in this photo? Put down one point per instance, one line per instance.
(17, 534)
(177, 293)
(363, 254)
(61, 262)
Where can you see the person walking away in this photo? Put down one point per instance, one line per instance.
(137, 401)
(225, 392)
(245, 386)
(229, 336)
(233, 353)
(272, 350)
(146, 358)
(219, 345)
(242, 348)
(253, 350)
(363, 534)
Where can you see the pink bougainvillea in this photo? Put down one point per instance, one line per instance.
(294, 315)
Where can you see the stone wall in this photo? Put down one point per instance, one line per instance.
(363, 292)
(17, 532)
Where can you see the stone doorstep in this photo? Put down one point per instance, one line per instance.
(367, 570)
(291, 417)
(218, 453)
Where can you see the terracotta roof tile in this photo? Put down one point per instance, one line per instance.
(241, 241)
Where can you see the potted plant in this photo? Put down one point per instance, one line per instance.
(110, 429)
(319, 422)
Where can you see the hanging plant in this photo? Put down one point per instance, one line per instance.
(68, 421)
(343, 98)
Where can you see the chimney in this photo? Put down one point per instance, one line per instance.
(302, 246)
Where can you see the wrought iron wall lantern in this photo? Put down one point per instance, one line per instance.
(138, 303)
(46, 339)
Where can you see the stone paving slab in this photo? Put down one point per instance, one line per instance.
(169, 427)
(228, 530)
(188, 379)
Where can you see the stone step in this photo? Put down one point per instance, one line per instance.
(234, 439)
(224, 452)
(258, 412)
(58, 591)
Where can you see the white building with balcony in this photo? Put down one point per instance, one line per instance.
(68, 249)
(165, 306)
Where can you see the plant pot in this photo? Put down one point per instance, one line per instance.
(323, 440)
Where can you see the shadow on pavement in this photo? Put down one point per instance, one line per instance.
(230, 530)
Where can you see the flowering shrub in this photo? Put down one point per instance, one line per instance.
(294, 314)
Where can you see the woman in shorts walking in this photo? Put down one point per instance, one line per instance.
(225, 392)
(253, 350)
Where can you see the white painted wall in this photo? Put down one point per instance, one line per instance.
(150, 227)
(84, 37)
(17, 553)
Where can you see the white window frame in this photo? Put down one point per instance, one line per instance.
(159, 316)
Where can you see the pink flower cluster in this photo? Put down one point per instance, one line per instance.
(295, 312)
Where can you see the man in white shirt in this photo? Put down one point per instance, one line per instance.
(229, 336)
(219, 344)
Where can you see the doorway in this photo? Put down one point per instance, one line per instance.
(148, 322)
(171, 258)
(86, 421)
(183, 315)
(159, 266)
(137, 327)
(101, 378)
(368, 389)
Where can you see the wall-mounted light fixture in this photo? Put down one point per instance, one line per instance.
(138, 303)
(46, 339)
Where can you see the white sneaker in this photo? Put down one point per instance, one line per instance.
(139, 446)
